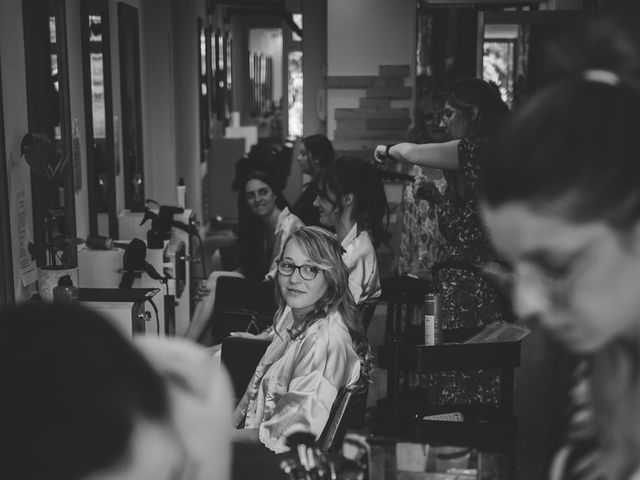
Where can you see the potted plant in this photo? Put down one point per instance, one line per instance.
(56, 255)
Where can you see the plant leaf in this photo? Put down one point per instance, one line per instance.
(39, 153)
(62, 168)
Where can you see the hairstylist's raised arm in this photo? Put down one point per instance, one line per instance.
(435, 155)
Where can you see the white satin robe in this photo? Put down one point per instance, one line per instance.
(297, 380)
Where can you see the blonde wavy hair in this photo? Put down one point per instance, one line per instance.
(324, 251)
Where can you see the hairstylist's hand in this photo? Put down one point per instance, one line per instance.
(266, 334)
(243, 335)
(380, 154)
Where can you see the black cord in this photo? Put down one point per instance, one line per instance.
(155, 309)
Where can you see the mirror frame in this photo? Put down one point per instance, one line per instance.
(38, 73)
(132, 148)
(7, 294)
(101, 8)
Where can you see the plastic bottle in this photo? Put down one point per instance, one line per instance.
(181, 192)
(432, 324)
(66, 291)
(155, 236)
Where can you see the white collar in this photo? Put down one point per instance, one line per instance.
(351, 236)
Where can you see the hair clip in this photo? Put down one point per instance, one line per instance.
(602, 76)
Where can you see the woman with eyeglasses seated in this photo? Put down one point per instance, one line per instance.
(83, 402)
(472, 114)
(562, 204)
(318, 348)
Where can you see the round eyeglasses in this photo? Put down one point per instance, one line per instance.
(307, 272)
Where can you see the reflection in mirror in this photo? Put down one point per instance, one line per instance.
(295, 88)
(101, 168)
(266, 83)
(205, 106)
(500, 57)
(295, 84)
(205, 101)
(221, 62)
(131, 107)
(516, 48)
(48, 110)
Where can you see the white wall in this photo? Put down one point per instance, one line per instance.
(158, 112)
(14, 94)
(314, 65)
(268, 41)
(76, 101)
(361, 36)
(186, 92)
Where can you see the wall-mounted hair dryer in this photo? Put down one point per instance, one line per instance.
(134, 260)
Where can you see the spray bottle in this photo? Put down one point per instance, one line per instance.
(181, 192)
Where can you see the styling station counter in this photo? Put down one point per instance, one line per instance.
(165, 269)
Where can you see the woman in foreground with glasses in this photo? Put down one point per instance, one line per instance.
(562, 204)
(318, 348)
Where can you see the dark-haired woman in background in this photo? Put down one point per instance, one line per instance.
(316, 153)
(472, 114)
(351, 201)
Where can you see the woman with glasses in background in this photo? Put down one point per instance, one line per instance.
(472, 114)
(318, 348)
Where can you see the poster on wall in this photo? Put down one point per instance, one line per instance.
(21, 213)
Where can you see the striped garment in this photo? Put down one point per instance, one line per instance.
(580, 456)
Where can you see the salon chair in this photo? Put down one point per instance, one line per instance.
(240, 356)
(347, 411)
(242, 305)
(494, 428)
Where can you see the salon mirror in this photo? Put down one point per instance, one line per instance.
(259, 47)
(46, 62)
(130, 96)
(101, 161)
